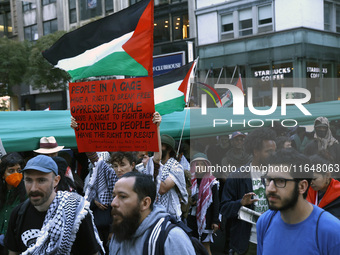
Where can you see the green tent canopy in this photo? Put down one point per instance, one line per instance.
(22, 130)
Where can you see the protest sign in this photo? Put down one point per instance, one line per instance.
(114, 115)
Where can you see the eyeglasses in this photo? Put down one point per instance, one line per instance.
(278, 182)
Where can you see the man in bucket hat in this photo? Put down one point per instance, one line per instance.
(49, 146)
(50, 222)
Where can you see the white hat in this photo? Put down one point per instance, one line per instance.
(48, 145)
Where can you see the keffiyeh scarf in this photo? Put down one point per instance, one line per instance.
(171, 199)
(61, 225)
(205, 198)
(101, 184)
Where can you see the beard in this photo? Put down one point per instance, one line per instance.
(125, 229)
(287, 203)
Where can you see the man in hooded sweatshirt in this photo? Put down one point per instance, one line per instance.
(134, 216)
(323, 140)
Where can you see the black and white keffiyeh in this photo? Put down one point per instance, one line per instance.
(61, 225)
(172, 200)
(101, 184)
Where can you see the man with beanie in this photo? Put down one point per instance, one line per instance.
(50, 222)
(170, 179)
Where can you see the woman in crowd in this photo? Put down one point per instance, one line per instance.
(203, 217)
(324, 191)
(12, 190)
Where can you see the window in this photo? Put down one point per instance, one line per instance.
(27, 6)
(265, 20)
(50, 26)
(31, 33)
(161, 30)
(108, 6)
(90, 9)
(245, 22)
(180, 25)
(332, 16)
(227, 26)
(337, 18)
(5, 24)
(46, 2)
(73, 11)
(327, 16)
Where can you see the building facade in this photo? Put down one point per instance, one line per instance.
(173, 32)
(272, 43)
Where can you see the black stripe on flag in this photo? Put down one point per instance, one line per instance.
(96, 33)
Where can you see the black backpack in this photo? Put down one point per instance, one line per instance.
(154, 243)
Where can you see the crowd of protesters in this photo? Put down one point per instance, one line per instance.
(166, 202)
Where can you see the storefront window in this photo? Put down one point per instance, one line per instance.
(267, 77)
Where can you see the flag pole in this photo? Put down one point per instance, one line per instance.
(186, 113)
(232, 77)
(180, 139)
(219, 76)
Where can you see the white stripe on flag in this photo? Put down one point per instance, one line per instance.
(89, 57)
(167, 92)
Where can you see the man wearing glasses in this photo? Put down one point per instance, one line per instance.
(293, 225)
(244, 188)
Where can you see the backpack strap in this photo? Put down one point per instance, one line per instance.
(317, 230)
(152, 244)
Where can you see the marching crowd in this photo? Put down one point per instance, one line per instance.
(160, 203)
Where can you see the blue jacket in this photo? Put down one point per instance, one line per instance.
(236, 185)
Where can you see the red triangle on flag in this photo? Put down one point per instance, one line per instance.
(184, 85)
(239, 84)
(140, 45)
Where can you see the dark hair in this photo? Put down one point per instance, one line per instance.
(172, 152)
(65, 183)
(280, 141)
(254, 140)
(8, 160)
(144, 186)
(298, 164)
(322, 158)
(120, 155)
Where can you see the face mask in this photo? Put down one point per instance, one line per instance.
(14, 179)
(321, 133)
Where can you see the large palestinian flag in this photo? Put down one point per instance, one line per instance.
(119, 44)
(171, 89)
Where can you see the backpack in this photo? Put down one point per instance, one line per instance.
(154, 243)
(185, 207)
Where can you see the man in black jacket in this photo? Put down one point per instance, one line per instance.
(241, 188)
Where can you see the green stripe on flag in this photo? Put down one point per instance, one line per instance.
(176, 104)
(118, 63)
